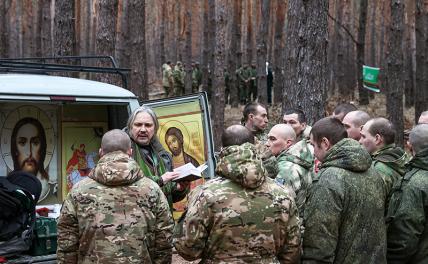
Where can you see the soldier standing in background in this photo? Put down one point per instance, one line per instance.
(179, 76)
(167, 79)
(243, 76)
(241, 216)
(115, 215)
(196, 77)
(252, 93)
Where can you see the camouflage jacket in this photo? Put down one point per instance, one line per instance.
(240, 217)
(170, 188)
(389, 162)
(115, 216)
(295, 167)
(344, 213)
(407, 214)
(167, 80)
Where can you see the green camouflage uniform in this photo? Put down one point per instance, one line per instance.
(178, 74)
(241, 216)
(115, 215)
(389, 162)
(252, 91)
(155, 149)
(196, 79)
(407, 214)
(296, 170)
(243, 75)
(344, 212)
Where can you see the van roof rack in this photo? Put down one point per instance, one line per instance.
(40, 65)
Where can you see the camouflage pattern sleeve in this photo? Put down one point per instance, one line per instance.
(291, 250)
(322, 221)
(190, 233)
(162, 249)
(68, 233)
(406, 224)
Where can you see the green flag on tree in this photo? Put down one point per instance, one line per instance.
(370, 78)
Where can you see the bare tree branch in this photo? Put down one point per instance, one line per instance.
(344, 28)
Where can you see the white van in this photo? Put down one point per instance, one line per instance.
(53, 125)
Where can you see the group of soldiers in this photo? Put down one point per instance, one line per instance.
(340, 191)
(173, 77)
(246, 86)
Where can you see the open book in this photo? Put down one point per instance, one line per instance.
(188, 172)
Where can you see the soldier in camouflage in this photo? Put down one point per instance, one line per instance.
(243, 75)
(344, 213)
(242, 216)
(167, 79)
(377, 137)
(408, 208)
(178, 75)
(154, 160)
(295, 162)
(115, 215)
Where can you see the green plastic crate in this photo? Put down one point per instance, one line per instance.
(45, 236)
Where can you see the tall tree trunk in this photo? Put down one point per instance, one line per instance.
(205, 47)
(408, 49)
(219, 62)
(188, 48)
(421, 27)
(306, 58)
(235, 51)
(212, 40)
(394, 103)
(278, 62)
(373, 37)
(27, 29)
(261, 52)
(64, 29)
(4, 6)
(137, 22)
(37, 21)
(249, 33)
(122, 45)
(362, 93)
(162, 28)
(105, 36)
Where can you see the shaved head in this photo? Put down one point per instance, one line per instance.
(353, 121)
(115, 140)
(423, 119)
(280, 138)
(418, 138)
(284, 131)
(236, 135)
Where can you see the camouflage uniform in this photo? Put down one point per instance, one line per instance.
(239, 217)
(243, 76)
(116, 215)
(178, 75)
(344, 213)
(155, 149)
(196, 79)
(296, 170)
(407, 214)
(389, 162)
(167, 80)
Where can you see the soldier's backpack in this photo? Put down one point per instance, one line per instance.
(17, 218)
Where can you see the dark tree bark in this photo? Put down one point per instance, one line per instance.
(37, 21)
(278, 63)
(137, 22)
(235, 52)
(188, 48)
(261, 52)
(27, 29)
(105, 36)
(306, 58)
(409, 50)
(64, 30)
(394, 99)
(362, 93)
(219, 62)
(162, 28)
(4, 6)
(205, 47)
(249, 33)
(421, 26)
(122, 45)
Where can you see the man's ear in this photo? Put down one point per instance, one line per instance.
(378, 139)
(129, 152)
(304, 126)
(325, 143)
(100, 152)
